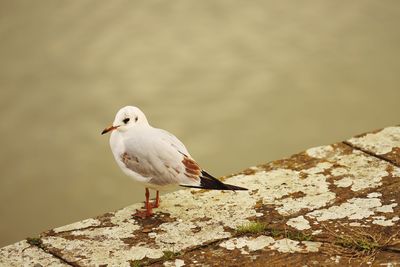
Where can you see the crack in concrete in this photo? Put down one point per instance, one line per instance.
(47, 251)
(370, 153)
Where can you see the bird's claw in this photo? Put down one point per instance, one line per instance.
(154, 204)
(143, 214)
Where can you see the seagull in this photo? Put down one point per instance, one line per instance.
(155, 158)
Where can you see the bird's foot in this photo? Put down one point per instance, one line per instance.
(143, 214)
(147, 210)
(155, 204)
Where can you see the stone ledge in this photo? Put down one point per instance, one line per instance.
(383, 143)
(24, 254)
(330, 205)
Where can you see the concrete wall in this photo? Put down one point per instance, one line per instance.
(329, 205)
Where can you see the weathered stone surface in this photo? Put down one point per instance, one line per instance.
(329, 205)
(24, 254)
(384, 143)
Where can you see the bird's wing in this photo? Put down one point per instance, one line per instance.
(161, 159)
(173, 141)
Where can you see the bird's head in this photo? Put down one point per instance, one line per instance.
(127, 118)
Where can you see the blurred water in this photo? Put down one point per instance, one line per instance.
(239, 83)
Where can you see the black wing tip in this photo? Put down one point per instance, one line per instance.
(225, 187)
(208, 181)
(234, 188)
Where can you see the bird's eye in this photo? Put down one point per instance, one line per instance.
(125, 120)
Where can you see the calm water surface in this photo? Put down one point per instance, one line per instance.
(239, 83)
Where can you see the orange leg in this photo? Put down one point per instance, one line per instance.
(156, 203)
(148, 207)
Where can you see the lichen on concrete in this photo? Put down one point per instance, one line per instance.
(99, 251)
(379, 143)
(383, 221)
(320, 151)
(282, 182)
(300, 223)
(78, 225)
(24, 254)
(352, 209)
(286, 245)
(248, 244)
(344, 182)
(312, 246)
(360, 171)
(251, 244)
(374, 195)
(176, 263)
(176, 236)
(125, 230)
(386, 208)
(218, 207)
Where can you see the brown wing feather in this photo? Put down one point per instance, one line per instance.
(192, 169)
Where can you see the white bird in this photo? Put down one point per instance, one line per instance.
(155, 157)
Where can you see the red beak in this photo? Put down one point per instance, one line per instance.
(111, 128)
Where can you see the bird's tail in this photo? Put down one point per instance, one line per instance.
(208, 181)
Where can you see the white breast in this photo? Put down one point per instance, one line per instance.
(118, 149)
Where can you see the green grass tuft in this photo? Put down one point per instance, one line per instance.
(135, 264)
(276, 232)
(34, 241)
(169, 255)
(259, 227)
(360, 243)
(251, 228)
(299, 236)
